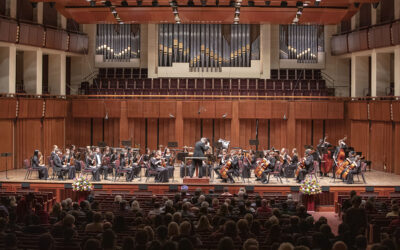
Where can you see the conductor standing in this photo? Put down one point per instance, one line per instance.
(200, 147)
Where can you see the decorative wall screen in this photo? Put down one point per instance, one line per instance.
(301, 42)
(118, 42)
(208, 46)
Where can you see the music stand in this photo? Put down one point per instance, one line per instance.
(172, 144)
(259, 154)
(126, 143)
(102, 144)
(181, 156)
(254, 142)
(6, 155)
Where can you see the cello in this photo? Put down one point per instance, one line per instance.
(342, 167)
(350, 167)
(262, 165)
(224, 170)
(301, 165)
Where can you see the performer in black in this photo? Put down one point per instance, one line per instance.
(91, 164)
(162, 172)
(355, 160)
(308, 162)
(38, 164)
(99, 164)
(272, 161)
(58, 166)
(224, 158)
(199, 149)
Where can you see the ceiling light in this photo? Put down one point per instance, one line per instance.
(237, 11)
(283, 4)
(299, 11)
(236, 19)
(124, 3)
(114, 11)
(295, 20)
(267, 3)
(175, 11)
(177, 19)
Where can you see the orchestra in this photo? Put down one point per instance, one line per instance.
(223, 164)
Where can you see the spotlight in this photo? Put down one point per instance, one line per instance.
(299, 4)
(92, 3)
(250, 3)
(356, 4)
(124, 3)
(316, 3)
(154, 3)
(107, 3)
(375, 5)
(267, 3)
(283, 4)
(139, 2)
(299, 12)
(190, 3)
(203, 3)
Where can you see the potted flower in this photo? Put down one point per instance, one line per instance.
(82, 187)
(310, 187)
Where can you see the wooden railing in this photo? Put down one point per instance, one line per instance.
(371, 37)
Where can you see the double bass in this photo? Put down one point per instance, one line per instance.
(262, 165)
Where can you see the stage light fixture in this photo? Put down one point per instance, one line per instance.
(92, 3)
(203, 3)
(236, 19)
(283, 4)
(316, 3)
(375, 5)
(139, 2)
(299, 4)
(175, 11)
(154, 3)
(267, 3)
(124, 3)
(190, 3)
(107, 3)
(356, 4)
(113, 11)
(250, 3)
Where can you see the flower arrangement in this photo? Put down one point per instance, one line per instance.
(310, 186)
(82, 184)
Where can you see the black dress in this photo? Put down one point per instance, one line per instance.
(42, 170)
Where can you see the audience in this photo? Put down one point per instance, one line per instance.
(184, 221)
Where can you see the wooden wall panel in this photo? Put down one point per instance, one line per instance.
(263, 110)
(137, 132)
(303, 110)
(379, 111)
(336, 110)
(358, 40)
(152, 133)
(381, 145)
(339, 45)
(396, 148)
(6, 145)
(113, 109)
(303, 135)
(30, 108)
(191, 131)
(167, 108)
(88, 109)
(78, 132)
(278, 133)
(78, 43)
(208, 129)
(28, 138)
(111, 132)
(8, 108)
(166, 131)
(222, 129)
(319, 110)
(262, 135)
(357, 110)
(247, 110)
(359, 137)
(317, 131)
(279, 110)
(379, 36)
(8, 29)
(190, 109)
(207, 109)
(97, 135)
(396, 111)
(396, 33)
(134, 109)
(223, 108)
(56, 108)
(247, 131)
(53, 134)
(335, 130)
(151, 109)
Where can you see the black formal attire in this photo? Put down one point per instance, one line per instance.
(184, 169)
(356, 170)
(217, 168)
(71, 169)
(162, 173)
(103, 169)
(169, 166)
(135, 167)
(285, 165)
(78, 166)
(93, 168)
(246, 166)
(206, 169)
(124, 166)
(59, 168)
(270, 168)
(234, 169)
(199, 150)
(42, 170)
(309, 164)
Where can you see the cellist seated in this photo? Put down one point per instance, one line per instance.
(156, 164)
(270, 168)
(308, 163)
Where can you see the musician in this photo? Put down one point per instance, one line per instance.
(285, 158)
(207, 166)
(295, 157)
(38, 164)
(124, 166)
(99, 164)
(199, 149)
(67, 159)
(223, 159)
(58, 166)
(325, 156)
(339, 155)
(350, 175)
(272, 161)
(91, 164)
(245, 163)
(308, 162)
(54, 152)
(75, 156)
(162, 173)
(184, 169)
(169, 161)
(234, 168)
(134, 163)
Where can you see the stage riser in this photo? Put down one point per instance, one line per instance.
(326, 201)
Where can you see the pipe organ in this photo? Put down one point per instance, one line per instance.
(208, 46)
(301, 42)
(118, 42)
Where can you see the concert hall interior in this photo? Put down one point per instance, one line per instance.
(146, 99)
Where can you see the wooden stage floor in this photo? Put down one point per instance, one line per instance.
(373, 178)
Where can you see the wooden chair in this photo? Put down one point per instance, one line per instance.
(276, 173)
(29, 168)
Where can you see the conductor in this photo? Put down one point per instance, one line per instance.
(200, 147)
